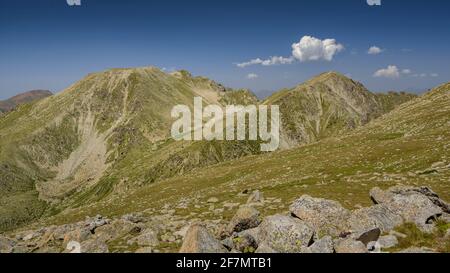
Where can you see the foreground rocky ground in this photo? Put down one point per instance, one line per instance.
(312, 225)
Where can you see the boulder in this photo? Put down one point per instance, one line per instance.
(350, 246)
(245, 218)
(323, 245)
(199, 240)
(285, 234)
(325, 216)
(377, 216)
(415, 208)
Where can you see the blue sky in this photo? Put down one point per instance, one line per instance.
(48, 44)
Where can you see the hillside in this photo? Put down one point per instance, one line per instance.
(409, 146)
(329, 105)
(26, 97)
(109, 135)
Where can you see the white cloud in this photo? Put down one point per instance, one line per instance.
(274, 60)
(249, 63)
(391, 72)
(434, 75)
(374, 50)
(313, 49)
(308, 49)
(252, 76)
(406, 71)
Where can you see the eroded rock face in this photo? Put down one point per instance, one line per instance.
(199, 240)
(285, 234)
(325, 216)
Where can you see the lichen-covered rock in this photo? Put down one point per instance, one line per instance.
(325, 216)
(199, 240)
(244, 243)
(377, 216)
(285, 234)
(350, 246)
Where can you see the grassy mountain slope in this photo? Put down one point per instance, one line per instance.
(328, 105)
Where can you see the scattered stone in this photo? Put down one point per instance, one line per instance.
(255, 197)
(325, 216)
(350, 246)
(213, 200)
(199, 240)
(94, 246)
(245, 218)
(285, 234)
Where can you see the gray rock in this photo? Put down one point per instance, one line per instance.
(350, 246)
(285, 234)
(325, 216)
(397, 234)
(377, 216)
(245, 218)
(199, 240)
(324, 245)
(414, 208)
(254, 232)
(445, 217)
(388, 241)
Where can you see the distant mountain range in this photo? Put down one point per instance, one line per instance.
(26, 97)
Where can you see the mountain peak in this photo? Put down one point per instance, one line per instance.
(26, 97)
